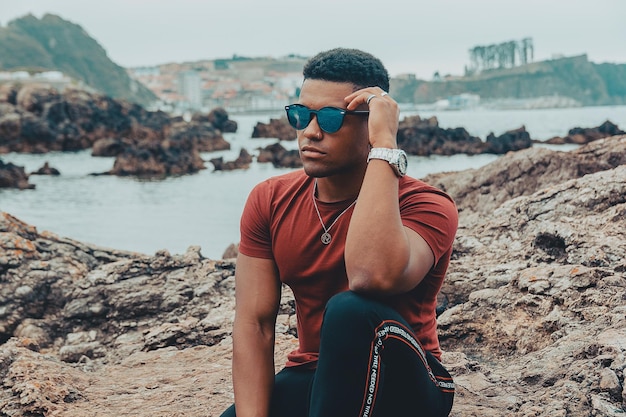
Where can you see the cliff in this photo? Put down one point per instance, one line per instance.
(573, 77)
(51, 43)
(533, 315)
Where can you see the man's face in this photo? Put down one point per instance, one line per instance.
(342, 152)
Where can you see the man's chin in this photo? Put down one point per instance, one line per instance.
(314, 172)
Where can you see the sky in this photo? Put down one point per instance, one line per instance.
(409, 36)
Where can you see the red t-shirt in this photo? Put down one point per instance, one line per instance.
(279, 222)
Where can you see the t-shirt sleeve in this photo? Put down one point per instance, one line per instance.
(434, 216)
(254, 226)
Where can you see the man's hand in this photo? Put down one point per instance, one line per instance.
(383, 118)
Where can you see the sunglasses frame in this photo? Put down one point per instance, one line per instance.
(312, 112)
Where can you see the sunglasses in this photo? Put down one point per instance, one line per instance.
(329, 119)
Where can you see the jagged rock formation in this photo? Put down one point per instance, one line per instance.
(424, 137)
(218, 118)
(533, 319)
(274, 153)
(276, 128)
(35, 119)
(582, 135)
(479, 192)
(243, 161)
(149, 159)
(46, 169)
(279, 156)
(13, 176)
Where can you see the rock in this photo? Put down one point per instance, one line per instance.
(10, 128)
(533, 323)
(219, 118)
(288, 159)
(276, 128)
(177, 154)
(229, 126)
(35, 134)
(425, 137)
(32, 98)
(68, 121)
(243, 161)
(8, 93)
(478, 192)
(279, 156)
(109, 147)
(231, 251)
(582, 136)
(13, 176)
(153, 159)
(35, 119)
(203, 135)
(46, 169)
(512, 140)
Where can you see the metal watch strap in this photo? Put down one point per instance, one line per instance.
(381, 153)
(395, 157)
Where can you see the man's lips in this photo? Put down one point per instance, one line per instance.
(311, 152)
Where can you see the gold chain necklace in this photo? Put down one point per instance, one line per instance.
(326, 236)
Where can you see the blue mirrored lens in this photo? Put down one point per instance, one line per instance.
(329, 119)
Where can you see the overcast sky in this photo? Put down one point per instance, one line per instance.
(414, 36)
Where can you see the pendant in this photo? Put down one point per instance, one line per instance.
(326, 238)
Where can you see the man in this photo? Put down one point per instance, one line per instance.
(364, 249)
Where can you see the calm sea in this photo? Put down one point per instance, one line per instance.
(204, 209)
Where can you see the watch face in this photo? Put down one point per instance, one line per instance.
(402, 163)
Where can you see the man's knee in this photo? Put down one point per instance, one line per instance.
(348, 307)
(344, 302)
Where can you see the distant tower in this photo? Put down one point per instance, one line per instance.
(190, 86)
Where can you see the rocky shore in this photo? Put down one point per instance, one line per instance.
(146, 144)
(37, 119)
(532, 323)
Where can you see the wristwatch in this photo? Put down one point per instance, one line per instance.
(396, 158)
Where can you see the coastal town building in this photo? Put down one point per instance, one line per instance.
(237, 84)
(190, 87)
(54, 79)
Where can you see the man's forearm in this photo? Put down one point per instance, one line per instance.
(253, 370)
(377, 249)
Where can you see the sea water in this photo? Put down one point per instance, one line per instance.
(203, 209)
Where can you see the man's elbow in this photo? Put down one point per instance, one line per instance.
(365, 282)
(257, 329)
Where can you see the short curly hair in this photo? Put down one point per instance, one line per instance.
(347, 65)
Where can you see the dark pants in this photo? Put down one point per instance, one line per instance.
(370, 365)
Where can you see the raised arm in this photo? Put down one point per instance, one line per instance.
(257, 294)
(382, 255)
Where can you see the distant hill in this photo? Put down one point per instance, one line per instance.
(575, 77)
(51, 43)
